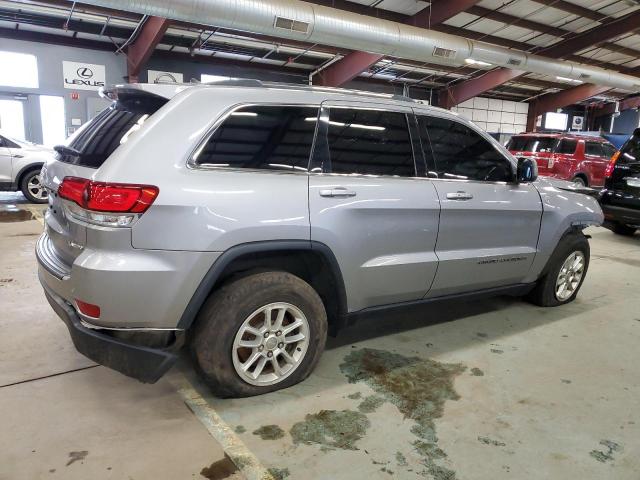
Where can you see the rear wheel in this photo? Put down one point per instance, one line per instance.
(258, 334)
(566, 271)
(579, 181)
(32, 187)
(622, 229)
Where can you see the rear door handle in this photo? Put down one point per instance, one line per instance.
(338, 192)
(459, 196)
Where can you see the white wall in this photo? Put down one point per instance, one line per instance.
(495, 116)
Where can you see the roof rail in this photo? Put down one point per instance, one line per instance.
(251, 82)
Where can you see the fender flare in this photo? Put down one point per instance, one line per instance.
(223, 261)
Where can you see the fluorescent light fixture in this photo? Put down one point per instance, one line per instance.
(566, 79)
(471, 61)
(244, 114)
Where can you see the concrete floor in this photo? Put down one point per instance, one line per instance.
(496, 389)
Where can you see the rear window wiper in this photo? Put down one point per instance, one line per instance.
(64, 150)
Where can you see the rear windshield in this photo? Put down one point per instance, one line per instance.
(630, 151)
(532, 144)
(97, 140)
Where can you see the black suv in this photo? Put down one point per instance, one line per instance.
(620, 198)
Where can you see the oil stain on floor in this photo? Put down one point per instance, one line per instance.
(419, 389)
(269, 432)
(331, 429)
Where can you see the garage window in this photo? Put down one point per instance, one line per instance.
(262, 137)
(369, 142)
(462, 153)
(19, 70)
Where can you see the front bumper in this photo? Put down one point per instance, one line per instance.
(142, 363)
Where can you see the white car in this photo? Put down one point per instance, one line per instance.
(20, 164)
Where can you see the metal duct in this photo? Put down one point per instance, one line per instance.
(312, 23)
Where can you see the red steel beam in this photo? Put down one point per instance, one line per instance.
(355, 63)
(552, 101)
(141, 49)
(474, 86)
(610, 108)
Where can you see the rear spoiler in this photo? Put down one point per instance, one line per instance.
(157, 91)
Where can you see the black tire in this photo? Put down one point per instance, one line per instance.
(225, 311)
(622, 229)
(24, 187)
(544, 293)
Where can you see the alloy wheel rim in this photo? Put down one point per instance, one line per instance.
(270, 344)
(570, 275)
(36, 188)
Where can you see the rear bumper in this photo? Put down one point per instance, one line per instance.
(627, 216)
(142, 363)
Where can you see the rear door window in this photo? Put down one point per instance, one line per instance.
(567, 146)
(369, 142)
(532, 144)
(594, 148)
(97, 140)
(262, 137)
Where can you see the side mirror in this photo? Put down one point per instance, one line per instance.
(527, 170)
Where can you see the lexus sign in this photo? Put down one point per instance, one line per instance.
(83, 76)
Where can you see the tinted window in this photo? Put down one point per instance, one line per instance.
(609, 150)
(630, 151)
(96, 140)
(5, 142)
(532, 144)
(369, 142)
(567, 147)
(462, 153)
(593, 148)
(262, 137)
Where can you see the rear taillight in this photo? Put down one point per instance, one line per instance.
(102, 203)
(108, 197)
(612, 163)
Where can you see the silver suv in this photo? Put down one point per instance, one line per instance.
(20, 164)
(247, 219)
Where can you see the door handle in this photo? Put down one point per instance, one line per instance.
(18, 156)
(459, 196)
(338, 192)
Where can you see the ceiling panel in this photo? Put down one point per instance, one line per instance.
(408, 7)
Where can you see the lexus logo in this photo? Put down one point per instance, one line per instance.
(84, 72)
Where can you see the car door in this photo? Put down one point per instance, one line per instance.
(5, 162)
(600, 167)
(489, 224)
(593, 154)
(369, 205)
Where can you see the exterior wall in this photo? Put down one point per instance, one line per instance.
(50, 58)
(495, 116)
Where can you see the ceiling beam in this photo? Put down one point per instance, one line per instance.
(610, 108)
(470, 88)
(139, 52)
(357, 62)
(574, 9)
(553, 101)
(545, 29)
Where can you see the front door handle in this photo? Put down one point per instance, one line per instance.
(338, 192)
(459, 196)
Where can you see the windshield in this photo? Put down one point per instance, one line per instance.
(532, 144)
(98, 139)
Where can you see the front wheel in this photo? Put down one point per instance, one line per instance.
(32, 187)
(566, 271)
(260, 333)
